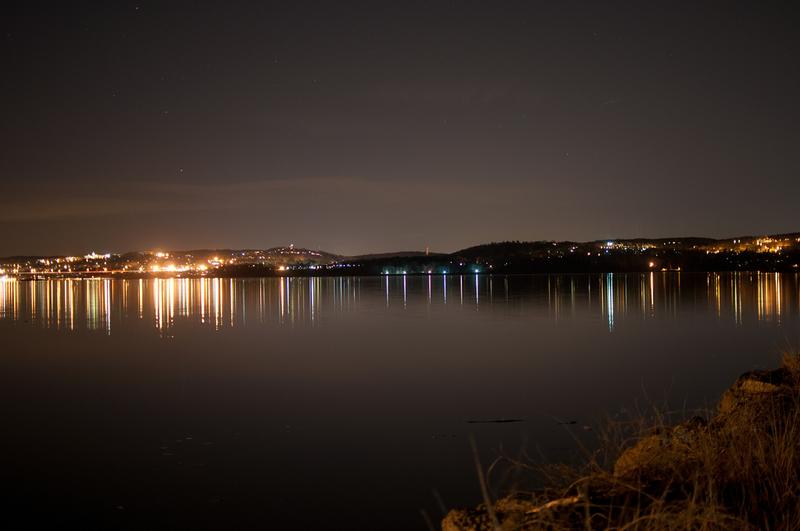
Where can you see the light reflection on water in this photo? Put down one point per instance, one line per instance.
(101, 304)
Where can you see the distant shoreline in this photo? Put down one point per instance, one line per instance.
(330, 274)
(767, 253)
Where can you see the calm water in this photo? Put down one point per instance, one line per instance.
(249, 403)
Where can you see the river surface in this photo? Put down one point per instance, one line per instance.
(343, 402)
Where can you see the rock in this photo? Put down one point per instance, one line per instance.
(672, 453)
(467, 520)
(510, 512)
(757, 386)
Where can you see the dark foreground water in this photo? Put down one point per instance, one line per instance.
(342, 402)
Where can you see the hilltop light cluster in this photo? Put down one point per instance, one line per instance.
(160, 262)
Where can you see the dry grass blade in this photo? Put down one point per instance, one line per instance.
(484, 487)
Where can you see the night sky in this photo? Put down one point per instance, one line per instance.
(376, 126)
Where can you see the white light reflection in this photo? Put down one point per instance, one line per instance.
(405, 291)
(610, 300)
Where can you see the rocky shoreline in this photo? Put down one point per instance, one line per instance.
(738, 469)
